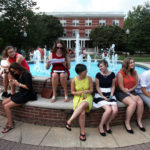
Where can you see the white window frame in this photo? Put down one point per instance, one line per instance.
(88, 22)
(115, 22)
(63, 22)
(65, 33)
(102, 22)
(75, 22)
(74, 32)
(87, 32)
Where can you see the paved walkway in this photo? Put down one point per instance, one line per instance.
(44, 138)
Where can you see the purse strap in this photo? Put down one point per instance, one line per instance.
(45, 82)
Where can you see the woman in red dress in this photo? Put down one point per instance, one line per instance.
(127, 80)
(60, 70)
(12, 56)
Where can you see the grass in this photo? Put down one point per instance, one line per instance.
(143, 58)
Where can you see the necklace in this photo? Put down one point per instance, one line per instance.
(105, 75)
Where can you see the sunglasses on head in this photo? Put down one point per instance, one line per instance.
(59, 48)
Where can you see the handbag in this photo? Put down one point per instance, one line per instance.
(46, 92)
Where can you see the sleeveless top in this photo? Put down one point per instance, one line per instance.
(82, 85)
(128, 81)
(59, 66)
(23, 63)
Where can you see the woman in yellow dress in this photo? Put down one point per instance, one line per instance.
(81, 88)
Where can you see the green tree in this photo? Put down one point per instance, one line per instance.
(105, 36)
(14, 20)
(138, 21)
(54, 30)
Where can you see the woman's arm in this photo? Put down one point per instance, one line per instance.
(73, 91)
(121, 84)
(90, 87)
(48, 61)
(145, 92)
(136, 76)
(98, 89)
(113, 87)
(15, 82)
(19, 59)
(68, 62)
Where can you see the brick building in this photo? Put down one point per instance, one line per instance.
(83, 23)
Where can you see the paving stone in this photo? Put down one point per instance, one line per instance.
(95, 140)
(33, 134)
(14, 134)
(62, 138)
(123, 138)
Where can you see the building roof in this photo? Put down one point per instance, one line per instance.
(86, 14)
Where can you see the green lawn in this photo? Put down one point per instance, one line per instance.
(143, 58)
(137, 58)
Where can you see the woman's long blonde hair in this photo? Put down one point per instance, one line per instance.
(125, 66)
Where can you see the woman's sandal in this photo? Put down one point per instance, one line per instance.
(7, 124)
(66, 99)
(82, 137)
(68, 126)
(7, 129)
(53, 99)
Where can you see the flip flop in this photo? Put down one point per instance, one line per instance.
(7, 129)
(7, 124)
(68, 126)
(82, 137)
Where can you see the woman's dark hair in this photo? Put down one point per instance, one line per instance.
(64, 51)
(17, 67)
(104, 62)
(5, 54)
(125, 66)
(80, 68)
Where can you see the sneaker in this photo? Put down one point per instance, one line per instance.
(4, 94)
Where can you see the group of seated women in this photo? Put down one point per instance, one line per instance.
(109, 89)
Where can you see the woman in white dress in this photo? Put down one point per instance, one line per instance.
(105, 86)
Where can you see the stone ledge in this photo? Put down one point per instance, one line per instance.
(59, 104)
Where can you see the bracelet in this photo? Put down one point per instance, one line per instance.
(19, 84)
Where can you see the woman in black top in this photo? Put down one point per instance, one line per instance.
(105, 86)
(22, 79)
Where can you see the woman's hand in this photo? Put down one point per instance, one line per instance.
(105, 98)
(47, 64)
(14, 82)
(126, 90)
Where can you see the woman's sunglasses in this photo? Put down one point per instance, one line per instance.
(59, 48)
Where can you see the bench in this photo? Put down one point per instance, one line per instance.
(55, 114)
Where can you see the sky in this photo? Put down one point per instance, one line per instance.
(88, 5)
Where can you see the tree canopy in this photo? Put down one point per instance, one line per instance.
(18, 18)
(105, 36)
(138, 22)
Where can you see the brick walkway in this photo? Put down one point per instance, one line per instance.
(8, 145)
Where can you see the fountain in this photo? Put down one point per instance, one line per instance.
(38, 68)
(111, 57)
(78, 57)
(37, 60)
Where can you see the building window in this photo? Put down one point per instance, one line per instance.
(115, 22)
(75, 22)
(63, 22)
(102, 22)
(74, 32)
(65, 33)
(88, 22)
(87, 33)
